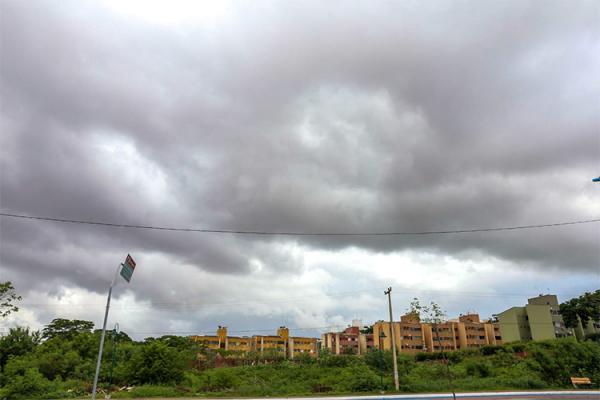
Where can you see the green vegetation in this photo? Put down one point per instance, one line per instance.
(583, 308)
(8, 297)
(62, 366)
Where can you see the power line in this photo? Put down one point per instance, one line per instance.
(291, 233)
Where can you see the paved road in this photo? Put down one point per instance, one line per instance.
(552, 395)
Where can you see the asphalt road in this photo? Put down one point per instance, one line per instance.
(553, 395)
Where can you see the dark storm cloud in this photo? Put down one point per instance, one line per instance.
(387, 117)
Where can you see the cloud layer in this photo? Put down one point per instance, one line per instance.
(304, 117)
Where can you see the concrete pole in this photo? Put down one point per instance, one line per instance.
(395, 362)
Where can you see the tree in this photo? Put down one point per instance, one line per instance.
(177, 342)
(18, 342)
(156, 363)
(66, 328)
(367, 330)
(7, 298)
(584, 308)
(118, 336)
(434, 315)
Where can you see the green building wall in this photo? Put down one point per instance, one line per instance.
(540, 322)
(514, 325)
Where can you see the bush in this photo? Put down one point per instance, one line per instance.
(332, 360)
(490, 350)
(478, 368)
(31, 384)
(594, 337)
(155, 363)
(304, 358)
(357, 379)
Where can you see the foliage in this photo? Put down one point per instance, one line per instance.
(66, 328)
(594, 337)
(8, 296)
(156, 363)
(63, 366)
(29, 384)
(489, 350)
(367, 330)
(18, 342)
(434, 315)
(430, 314)
(583, 308)
(478, 368)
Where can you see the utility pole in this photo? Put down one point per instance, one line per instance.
(394, 361)
(99, 361)
(126, 269)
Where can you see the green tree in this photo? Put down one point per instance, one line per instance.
(367, 330)
(585, 308)
(66, 328)
(178, 342)
(18, 342)
(8, 296)
(120, 336)
(29, 384)
(434, 315)
(156, 363)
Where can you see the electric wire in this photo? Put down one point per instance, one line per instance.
(292, 233)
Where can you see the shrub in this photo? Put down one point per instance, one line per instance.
(31, 384)
(304, 358)
(594, 337)
(478, 368)
(155, 363)
(357, 379)
(490, 350)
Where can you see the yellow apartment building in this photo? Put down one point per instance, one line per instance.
(300, 345)
(409, 334)
(412, 336)
(213, 342)
(281, 342)
(289, 346)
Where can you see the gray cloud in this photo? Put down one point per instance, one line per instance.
(308, 117)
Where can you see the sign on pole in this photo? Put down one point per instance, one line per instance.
(127, 268)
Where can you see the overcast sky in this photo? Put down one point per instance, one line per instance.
(296, 116)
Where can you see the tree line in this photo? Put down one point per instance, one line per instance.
(59, 360)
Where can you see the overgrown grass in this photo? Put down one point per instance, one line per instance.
(152, 391)
(519, 366)
(541, 365)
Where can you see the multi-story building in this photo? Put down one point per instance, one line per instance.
(280, 343)
(224, 342)
(350, 341)
(409, 328)
(413, 336)
(540, 319)
(591, 327)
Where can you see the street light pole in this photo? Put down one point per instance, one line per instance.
(394, 361)
(95, 386)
